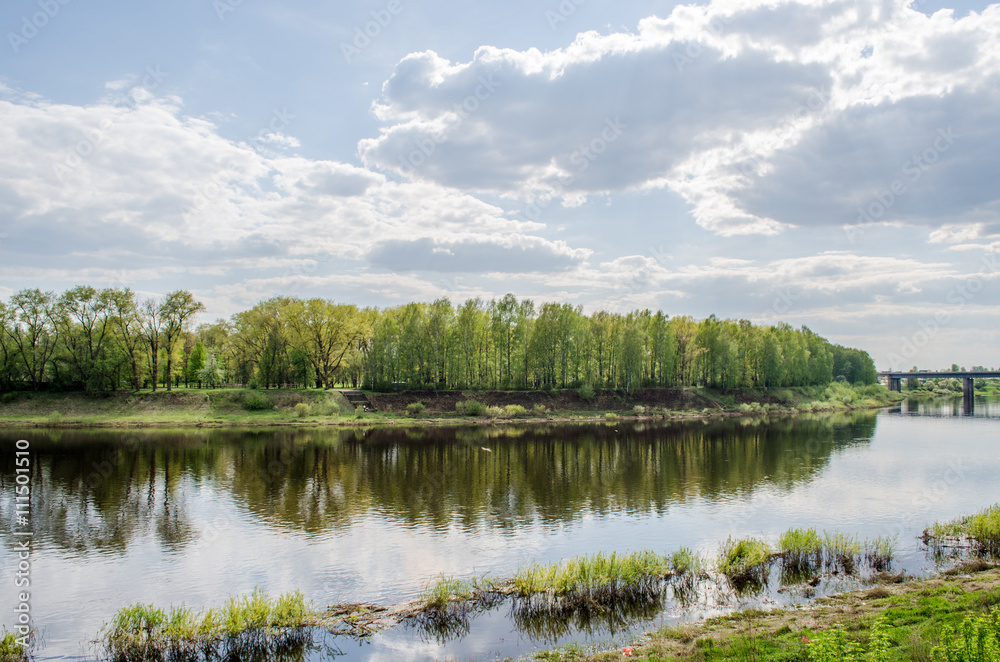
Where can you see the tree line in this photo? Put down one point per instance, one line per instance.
(107, 339)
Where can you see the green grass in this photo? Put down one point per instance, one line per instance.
(444, 590)
(251, 625)
(745, 562)
(591, 583)
(685, 561)
(981, 531)
(11, 650)
(937, 620)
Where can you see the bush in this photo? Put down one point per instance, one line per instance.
(55, 417)
(325, 408)
(976, 640)
(540, 409)
(301, 410)
(415, 408)
(638, 410)
(586, 392)
(470, 408)
(611, 416)
(254, 401)
(495, 412)
(514, 411)
(359, 411)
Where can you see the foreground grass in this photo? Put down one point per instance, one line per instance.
(890, 623)
(249, 626)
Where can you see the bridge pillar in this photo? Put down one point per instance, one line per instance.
(968, 394)
(896, 384)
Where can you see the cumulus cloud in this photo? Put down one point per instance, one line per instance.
(762, 115)
(114, 183)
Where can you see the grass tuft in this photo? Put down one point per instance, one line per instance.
(745, 562)
(249, 626)
(980, 531)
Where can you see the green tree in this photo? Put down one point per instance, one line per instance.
(176, 311)
(34, 331)
(195, 363)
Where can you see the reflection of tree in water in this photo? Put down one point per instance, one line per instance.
(95, 490)
(98, 491)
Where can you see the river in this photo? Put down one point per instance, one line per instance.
(368, 515)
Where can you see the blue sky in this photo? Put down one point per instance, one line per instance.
(827, 163)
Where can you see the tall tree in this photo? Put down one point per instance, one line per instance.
(176, 311)
(150, 315)
(35, 331)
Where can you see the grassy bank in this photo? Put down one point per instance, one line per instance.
(305, 407)
(951, 618)
(888, 623)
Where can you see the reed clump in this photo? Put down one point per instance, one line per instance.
(443, 591)
(879, 552)
(801, 549)
(746, 562)
(248, 626)
(842, 550)
(11, 649)
(588, 583)
(687, 562)
(980, 532)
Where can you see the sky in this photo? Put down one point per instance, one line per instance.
(827, 163)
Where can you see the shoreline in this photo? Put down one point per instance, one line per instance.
(195, 409)
(914, 610)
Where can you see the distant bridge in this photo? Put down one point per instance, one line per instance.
(894, 379)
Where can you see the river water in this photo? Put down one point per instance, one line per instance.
(363, 515)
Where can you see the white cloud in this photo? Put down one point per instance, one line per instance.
(762, 115)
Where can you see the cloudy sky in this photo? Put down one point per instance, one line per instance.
(823, 162)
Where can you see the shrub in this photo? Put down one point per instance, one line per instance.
(514, 411)
(415, 408)
(977, 640)
(470, 408)
(301, 410)
(540, 409)
(325, 408)
(254, 401)
(495, 412)
(55, 417)
(586, 392)
(359, 411)
(611, 416)
(834, 646)
(638, 410)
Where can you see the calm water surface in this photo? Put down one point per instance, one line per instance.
(372, 515)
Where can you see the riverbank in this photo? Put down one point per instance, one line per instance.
(911, 615)
(188, 407)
